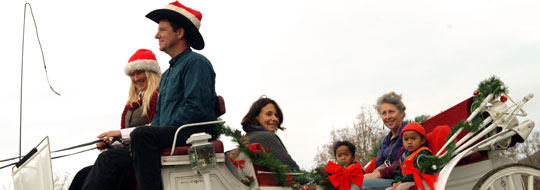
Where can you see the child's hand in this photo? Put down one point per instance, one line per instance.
(394, 186)
(374, 174)
(244, 140)
(322, 170)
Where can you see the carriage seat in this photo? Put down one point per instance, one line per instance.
(436, 139)
(450, 117)
(183, 150)
(220, 109)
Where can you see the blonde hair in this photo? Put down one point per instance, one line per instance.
(152, 84)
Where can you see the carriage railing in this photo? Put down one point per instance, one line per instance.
(505, 119)
(482, 106)
(500, 115)
(192, 125)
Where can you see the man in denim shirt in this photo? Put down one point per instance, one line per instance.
(186, 95)
(187, 92)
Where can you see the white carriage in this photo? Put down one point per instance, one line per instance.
(476, 162)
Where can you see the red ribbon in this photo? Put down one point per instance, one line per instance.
(409, 168)
(289, 179)
(255, 147)
(343, 177)
(237, 163)
(306, 187)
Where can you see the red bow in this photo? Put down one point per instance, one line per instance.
(289, 179)
(237, 163)
(343, 177)
(411, 170)
(255, 147)
(308, 187)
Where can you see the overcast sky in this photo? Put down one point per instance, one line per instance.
(320, 60)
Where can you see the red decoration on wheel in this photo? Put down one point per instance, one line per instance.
(475, 92)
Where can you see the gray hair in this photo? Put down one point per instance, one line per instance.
(391, 98)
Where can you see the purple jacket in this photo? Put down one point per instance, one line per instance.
(390, 171)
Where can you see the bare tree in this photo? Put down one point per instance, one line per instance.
(366, 133)
(61, 181)
(6, 187)
(527, 152)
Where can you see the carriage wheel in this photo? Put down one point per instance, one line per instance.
(508, 176)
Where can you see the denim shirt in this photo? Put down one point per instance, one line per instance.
(386, 147)
(187, 91)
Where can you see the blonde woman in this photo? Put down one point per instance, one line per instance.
(145, 74)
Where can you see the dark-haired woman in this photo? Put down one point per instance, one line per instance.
(261, 123)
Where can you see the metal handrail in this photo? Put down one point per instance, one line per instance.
(191, 125)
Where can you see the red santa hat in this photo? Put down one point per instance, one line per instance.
(186, 17)
(144, 60)
(414, 127)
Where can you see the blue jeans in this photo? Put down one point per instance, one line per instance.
(376, 183)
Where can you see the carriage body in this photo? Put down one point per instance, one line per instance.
(476, 161)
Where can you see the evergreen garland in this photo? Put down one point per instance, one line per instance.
(432, 164)
(492, 85)
(320, 177)
(262, 159)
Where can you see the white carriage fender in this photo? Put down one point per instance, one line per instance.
(440, 183)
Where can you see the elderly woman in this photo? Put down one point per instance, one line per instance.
(261, 124)
(392, 111)
(145, 74)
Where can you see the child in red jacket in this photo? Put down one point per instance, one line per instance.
(413, 136)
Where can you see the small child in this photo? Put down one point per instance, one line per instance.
(413, 136)
(344, 152)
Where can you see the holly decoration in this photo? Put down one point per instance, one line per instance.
(504, 98)
(248, 180)
(261, 158)
(492, 85)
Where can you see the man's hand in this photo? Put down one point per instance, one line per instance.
(110, 136)
(102, 145)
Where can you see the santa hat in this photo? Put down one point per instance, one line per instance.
(144, 60)
(414, 127)
(186, 17)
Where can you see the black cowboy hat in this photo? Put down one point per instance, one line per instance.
(185, 17)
